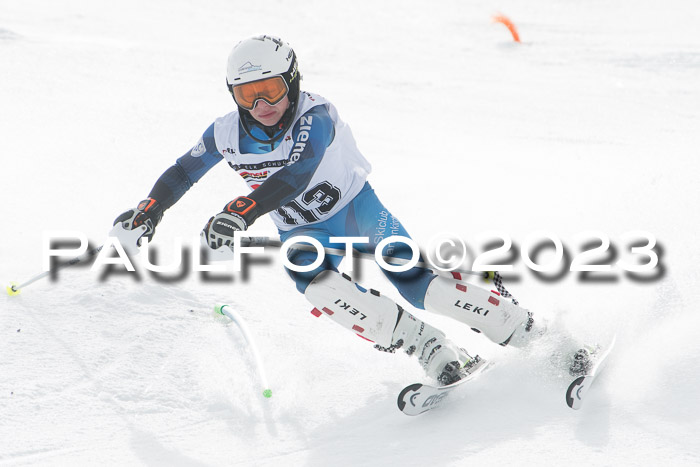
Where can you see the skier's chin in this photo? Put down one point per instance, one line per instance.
(270, 120)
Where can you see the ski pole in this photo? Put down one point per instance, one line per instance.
(127, 238)
(488, 276)
(392, 260)
(15, 289)
(498, 281)
(233, 315)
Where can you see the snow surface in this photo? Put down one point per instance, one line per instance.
(590, 123)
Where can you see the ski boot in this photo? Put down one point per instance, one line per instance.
(454, 371)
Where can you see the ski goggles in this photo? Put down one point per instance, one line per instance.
(271, 90)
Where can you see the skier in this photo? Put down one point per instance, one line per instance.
(304, 169)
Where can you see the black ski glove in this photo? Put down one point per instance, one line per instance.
(148, 213)
(220, 228)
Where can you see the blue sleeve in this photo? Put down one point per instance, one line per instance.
(312, 134)
(187, 170)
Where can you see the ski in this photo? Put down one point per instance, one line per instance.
(579, 387)
(418, 398)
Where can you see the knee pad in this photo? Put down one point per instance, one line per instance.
(303, 258)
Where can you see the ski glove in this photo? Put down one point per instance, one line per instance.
(148, 213)
(220, 228)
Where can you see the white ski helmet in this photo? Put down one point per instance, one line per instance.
(259, 58)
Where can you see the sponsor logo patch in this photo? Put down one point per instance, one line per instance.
(302, 138)
(247, 67)
(261, 166)
(254, 175)
(198, 148)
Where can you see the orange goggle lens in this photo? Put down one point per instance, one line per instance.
(271, 90)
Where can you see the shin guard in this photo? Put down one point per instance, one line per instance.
(379, 319)
(486, 312)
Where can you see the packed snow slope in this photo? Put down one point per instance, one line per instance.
(590, 123)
